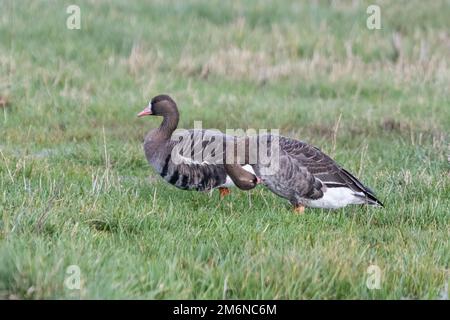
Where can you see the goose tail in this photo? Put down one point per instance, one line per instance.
(371, 200)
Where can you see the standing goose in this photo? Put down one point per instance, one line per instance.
(188, 174)
(305, 176)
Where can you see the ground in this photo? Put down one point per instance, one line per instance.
(75, 188)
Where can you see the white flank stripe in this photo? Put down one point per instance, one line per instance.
(335, 198)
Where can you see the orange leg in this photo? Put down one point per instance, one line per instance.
(223, 192)
(299, 209)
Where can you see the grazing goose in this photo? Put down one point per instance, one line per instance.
(188, 174)
(305, 176)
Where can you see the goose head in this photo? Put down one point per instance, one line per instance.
(161, 105)
(242, 178)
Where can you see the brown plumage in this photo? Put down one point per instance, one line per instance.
(305, 176)
(159, 145)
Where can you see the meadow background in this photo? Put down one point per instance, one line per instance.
(75, 188)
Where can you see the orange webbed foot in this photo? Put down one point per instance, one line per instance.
(223, 192)
(299, 209)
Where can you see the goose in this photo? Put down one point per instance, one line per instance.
(304, 175)
(163, 148)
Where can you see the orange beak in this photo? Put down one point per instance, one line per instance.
(146, 112)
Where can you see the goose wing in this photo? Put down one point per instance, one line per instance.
(195, 160)
(199, 147)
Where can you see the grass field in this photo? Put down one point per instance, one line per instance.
(75, 188)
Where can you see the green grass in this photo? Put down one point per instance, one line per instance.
(75, 186)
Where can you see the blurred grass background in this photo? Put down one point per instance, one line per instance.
(74, 186)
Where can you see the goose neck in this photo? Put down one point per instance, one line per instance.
(169, 124)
